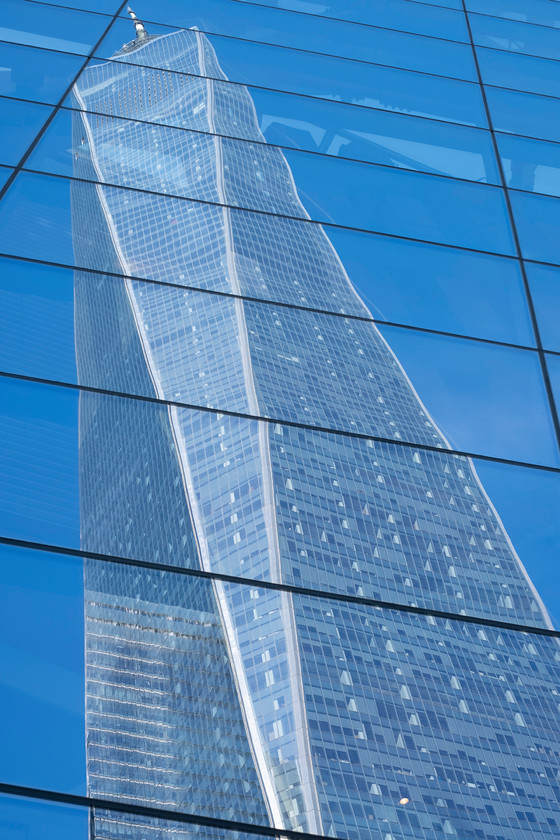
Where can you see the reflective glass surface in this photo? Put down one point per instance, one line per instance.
(315, 33)
(397, 678)
(538, 224)
(394, 14)
(522, 72)
(480, 394)
(39, 323)
(373, 86)
(531, 164)
(522, 113)
(53, 27)
(354, 516)
(545, 290)
(514, 36)
(21, 122)
(21, 819)
(340, 131)
(531, 11)
(36, 74)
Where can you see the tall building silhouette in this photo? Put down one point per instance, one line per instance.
(305, 713)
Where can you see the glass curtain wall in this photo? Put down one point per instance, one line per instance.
(280, 366)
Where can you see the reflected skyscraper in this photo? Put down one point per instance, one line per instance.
(299, 712)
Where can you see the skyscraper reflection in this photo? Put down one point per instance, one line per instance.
(253, 704)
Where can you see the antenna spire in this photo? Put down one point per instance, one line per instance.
(141, 34)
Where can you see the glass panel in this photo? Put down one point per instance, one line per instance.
(308, 123)
(484, 398)
(107, 6)
(538, 225)
(41, 75)
(353, 516)
(553, 365)
(531, 164)
(393, 14)
(189, 52)
(21, 122)
(435, 287)
(545, 291)
(532, 11)
(515, 37)
(522, 113)
(42, 697)
(417, 205)
(27, 819)
(440, 705)
(284, 28)
(51, 26)
(5, 173)
(522, 72)
(49, 315)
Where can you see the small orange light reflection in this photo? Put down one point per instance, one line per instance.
(404, 801)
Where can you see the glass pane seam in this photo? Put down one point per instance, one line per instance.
(273, 421)
(342, 597)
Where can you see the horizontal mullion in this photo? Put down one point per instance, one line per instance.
(276, 421)
(288, 305)
(280, 587)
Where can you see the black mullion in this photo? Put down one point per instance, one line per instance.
(325, 430)
(58, 105)
(293, 589)
(532, 313)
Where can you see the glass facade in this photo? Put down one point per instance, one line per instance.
(279, 370)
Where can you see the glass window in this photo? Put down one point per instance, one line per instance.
(393, 14)
(392, 140)
(333, 128)
(435, 287)
(514, 36)
(296, 71)
(553, 365)
(422, 206)
(377, 505)
(5, 173)
(51, 26)
(47, 324)
(311, 32)
(545, 291)
(522, 72)
(484, 398)
(522, 113)
(42, 697)
(21, 121)
(531, 11)
(36, 74)
(310, 124)
(531, 164)
(537, 219)
(22, 818)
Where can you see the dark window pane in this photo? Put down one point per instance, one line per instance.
(522, 72)
(531, 11)
(545, 290)
(515, 37)
(531, 164)
(299, 72)
(538, 224)
(50, 26)
(316, 33)
(484, 398)
(21, 819)
(36, 74)
(21, 122)
(523, 113)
